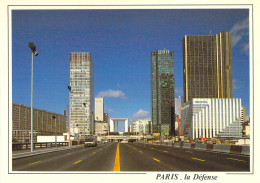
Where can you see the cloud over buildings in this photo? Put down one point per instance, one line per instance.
(112, 94)
(239, 30)
(141, 114)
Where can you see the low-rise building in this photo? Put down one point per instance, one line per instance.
(44, 122)
(212, 117)
(141, 126)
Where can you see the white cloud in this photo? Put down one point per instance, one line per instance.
(239, 30)
(141, 114)
(112, 93)
(245, 48)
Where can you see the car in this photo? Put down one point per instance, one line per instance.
(124, 141)
(90, 140)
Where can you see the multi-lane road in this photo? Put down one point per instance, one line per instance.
(133, 157)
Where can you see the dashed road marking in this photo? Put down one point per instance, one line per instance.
(165, 151)
(188, 151)
(140, 151)
(156, 159)
(94, 153)
(198, 159)
(77, 162)
(68, 153)
(33, 163)
(237, 159)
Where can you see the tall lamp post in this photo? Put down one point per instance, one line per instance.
(84, 122)
(35, 53)
(69, 88)
(54, 117)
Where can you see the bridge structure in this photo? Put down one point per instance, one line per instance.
(123, 137)
(116, 120)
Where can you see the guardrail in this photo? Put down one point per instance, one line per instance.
(27, 145)
(209, 147)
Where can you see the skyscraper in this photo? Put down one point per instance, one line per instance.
(207, 66)
(162, 91)
(82, 94)
(99, 109)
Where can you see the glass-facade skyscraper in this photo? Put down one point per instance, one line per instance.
(162, 91)
(207, 66)
(82, 94)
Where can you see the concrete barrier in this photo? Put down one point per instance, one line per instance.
(201, 146)
(211, 147)
(187, 145)
(177, 144)
(245, 150)
(235, 149)
(221, 148)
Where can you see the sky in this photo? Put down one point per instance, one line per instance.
(120, 43)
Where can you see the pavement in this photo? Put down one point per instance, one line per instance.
(132, 157)
(38, 151)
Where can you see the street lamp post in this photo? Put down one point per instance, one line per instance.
(93, 123)
(69, 88)
(84, 121)
(54, 117)
(33, 49)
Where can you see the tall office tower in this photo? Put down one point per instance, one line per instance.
(99, 109)
(162, 91)
(82, 94)
(207, 66)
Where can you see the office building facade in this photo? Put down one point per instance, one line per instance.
(212, 117)
(178, 104)
(99, 109)
(141, 126)
(162, 91)
(44, 122)
(207, 66)
(82, 94)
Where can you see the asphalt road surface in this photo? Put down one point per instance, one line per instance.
(133, 157)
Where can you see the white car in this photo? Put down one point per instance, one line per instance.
(124, 141)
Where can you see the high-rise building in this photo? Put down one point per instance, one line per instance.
(82, 94)
(99, 109)
(207, 66)
(162, 91)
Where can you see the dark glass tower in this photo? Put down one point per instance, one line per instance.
(207, 66)
(162, 88)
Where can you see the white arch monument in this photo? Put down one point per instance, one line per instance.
(113, 120)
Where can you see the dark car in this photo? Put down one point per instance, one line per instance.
(90, 140)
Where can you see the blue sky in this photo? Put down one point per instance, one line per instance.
(120, 42)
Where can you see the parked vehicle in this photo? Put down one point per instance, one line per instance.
(90, 140)
(124, 141)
